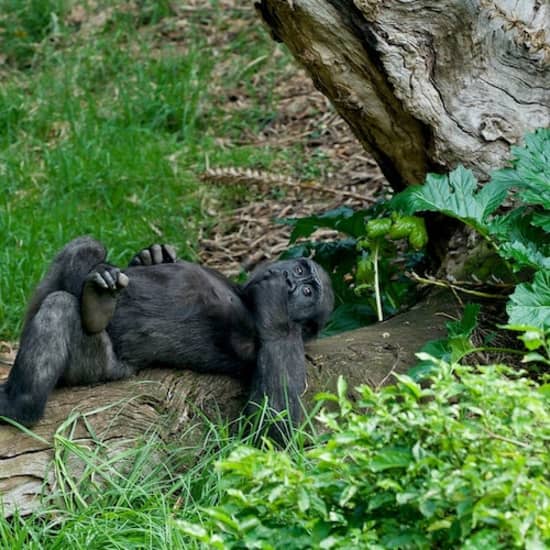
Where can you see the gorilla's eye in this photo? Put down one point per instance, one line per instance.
(306, 290)
(299, 270)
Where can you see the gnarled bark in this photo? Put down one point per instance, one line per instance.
(425, 85)
(121, 411)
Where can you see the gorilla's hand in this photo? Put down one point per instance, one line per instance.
(270, 300)
(155, 254)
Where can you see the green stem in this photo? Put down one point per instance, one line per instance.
(379, 312)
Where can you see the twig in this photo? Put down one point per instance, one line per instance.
(234, 176)
(451, 286)
(390, 373)
(507, 439)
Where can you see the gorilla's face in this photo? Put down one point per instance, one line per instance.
(310, 296)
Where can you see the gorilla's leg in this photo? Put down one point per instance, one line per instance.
(68, 271)
(63, 337)
(55, 349)
(80, 269)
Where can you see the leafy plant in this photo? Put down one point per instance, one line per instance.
(460, 463)
(366, 266)
(521, 236)
(536, 341)
(452, 348)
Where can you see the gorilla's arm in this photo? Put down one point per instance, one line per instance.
(280, 373)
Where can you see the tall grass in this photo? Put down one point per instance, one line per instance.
(134, 497)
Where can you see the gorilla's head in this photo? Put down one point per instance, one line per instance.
(310, 295)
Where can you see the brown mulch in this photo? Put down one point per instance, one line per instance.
(250, 233)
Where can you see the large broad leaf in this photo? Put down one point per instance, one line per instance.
(542, 220)
(529, 305)
(348, 317)
(521, 241)
(464, 327)
(457, 195)
(525, 255)
(530, 171)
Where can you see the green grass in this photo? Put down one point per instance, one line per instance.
(104, 132)
(132, 498)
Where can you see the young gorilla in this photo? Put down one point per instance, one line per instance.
(88, 321)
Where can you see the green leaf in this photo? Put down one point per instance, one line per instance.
(407, 539)
(303, 500)
(343, 219)
(342, 387)
(530, 171)
(525, 255)
(534, 357)
(459, 346)
(348, 493)
(348, 317)
(530, 303)
(402, 226)
(378, 227)
(542, 220)
(365, 271)
(532, 339)
(411, 227)
(521, 241)
(389, 458)
(456, 195)
(466, 325)
(439, 349)
(410, 384)
(418, 237)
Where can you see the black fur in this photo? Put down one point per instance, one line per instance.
(89, 321)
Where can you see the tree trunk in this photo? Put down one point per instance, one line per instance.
(121, 411)
(425, 85)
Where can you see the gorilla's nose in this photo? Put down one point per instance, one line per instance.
(290, 283)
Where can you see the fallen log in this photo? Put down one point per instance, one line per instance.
(119, 413)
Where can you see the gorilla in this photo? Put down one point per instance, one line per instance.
(88, 321)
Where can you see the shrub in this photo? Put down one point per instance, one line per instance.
(463, 462)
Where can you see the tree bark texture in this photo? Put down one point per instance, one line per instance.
(425, 85)
(118, 413)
